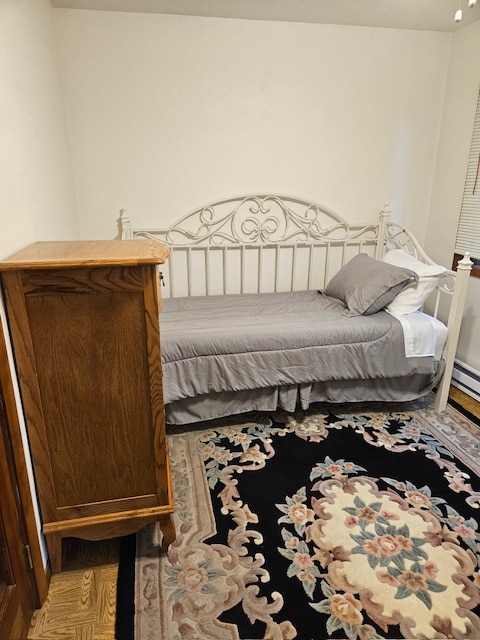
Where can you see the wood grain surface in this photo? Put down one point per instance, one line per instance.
(84, 319)
(86, 253)
(81, 602)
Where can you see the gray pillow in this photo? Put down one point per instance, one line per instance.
(366, 285)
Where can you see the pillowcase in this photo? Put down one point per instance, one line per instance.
(412, 298)
(366, 285)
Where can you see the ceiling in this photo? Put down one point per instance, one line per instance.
(431, 15)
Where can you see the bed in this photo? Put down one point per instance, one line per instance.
(276, 302)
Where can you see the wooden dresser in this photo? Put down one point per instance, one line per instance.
(84, 321)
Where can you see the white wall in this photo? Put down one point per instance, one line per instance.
(37, 199)
(454, 145)
(167, 113)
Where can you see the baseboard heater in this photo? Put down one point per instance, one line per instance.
(466, 379)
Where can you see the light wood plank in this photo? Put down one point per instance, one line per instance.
(467, 402)
(81, 602)
(86, 253)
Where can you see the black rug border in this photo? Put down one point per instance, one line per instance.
(125, 615)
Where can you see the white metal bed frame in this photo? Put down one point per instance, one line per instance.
(263, 243)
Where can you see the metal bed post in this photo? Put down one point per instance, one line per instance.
(464, 268)
(126, 229)
(382, 231)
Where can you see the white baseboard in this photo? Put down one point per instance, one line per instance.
(467, 379)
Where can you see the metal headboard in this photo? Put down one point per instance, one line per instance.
(257, 243)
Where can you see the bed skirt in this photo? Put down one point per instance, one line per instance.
(299, 396)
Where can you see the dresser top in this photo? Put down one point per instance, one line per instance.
(86, 253)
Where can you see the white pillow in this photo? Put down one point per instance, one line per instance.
(411, 299)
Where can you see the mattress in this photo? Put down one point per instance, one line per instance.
(217, 345)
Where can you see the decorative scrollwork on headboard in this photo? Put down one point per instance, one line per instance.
(259, 219)
(256, 219)
(398, 237)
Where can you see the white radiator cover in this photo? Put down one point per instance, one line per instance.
(467, 379)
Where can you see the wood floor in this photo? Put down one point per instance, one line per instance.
(81, 600)
(466, 401)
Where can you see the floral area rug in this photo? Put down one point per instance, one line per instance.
(320, 525)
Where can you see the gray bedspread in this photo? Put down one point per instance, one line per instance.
(255, 341)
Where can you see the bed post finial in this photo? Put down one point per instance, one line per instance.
(126, 231)
(382, 231)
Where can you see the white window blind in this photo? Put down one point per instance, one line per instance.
(468, 232)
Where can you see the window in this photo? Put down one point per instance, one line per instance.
(468, 232)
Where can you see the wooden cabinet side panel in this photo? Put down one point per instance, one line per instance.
(93, 376)
(30, 391)
(152, 303)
